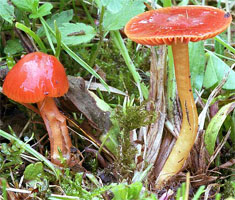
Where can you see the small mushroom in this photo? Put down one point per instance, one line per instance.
(37, 78)
(176, 26)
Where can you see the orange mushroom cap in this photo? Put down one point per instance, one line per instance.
(34, 77)
(177, 24)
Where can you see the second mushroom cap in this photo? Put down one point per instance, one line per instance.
(172, 24)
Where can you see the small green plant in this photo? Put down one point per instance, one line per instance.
(10, 157)
(76, 185)
(228, 194)
(229, 189)
(131, 192)
(26, 147)
(36, 178)
(130, 117)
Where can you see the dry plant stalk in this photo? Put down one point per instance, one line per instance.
(152, 135)
(157, 98)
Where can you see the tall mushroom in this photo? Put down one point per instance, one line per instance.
(176, 26)
(37, 78)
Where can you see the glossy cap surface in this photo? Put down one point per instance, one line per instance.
(177, 24)
(34, 77)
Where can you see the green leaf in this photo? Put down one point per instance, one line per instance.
(141, 175)
(74, 34)
(25, 5)
(127, 192)
(60, 18)
(215, 71)
(144, 90)
(183, 3)
(33, 171)
(43, 10)
(34, 7)
(167, 3)
(113, 5)
(215, 125)
(134, 190)
(10, 61)
(197, 64)
(232, 136)
(98, 4)
(6, 11)
(120, 192)
(219, 48)
(115, 21)
(13, 47)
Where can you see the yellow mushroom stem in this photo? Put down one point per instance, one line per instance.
(57, 129)
(189, 126)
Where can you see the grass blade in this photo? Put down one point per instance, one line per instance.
(58, 41)
(47, 34)
(33, 35)
(229, 47)
(199, 192)
(121, 46)
(4, 188)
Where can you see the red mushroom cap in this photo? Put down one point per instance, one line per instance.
(34, 77)
(177, 24)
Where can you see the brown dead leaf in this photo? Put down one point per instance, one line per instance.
(79, 99)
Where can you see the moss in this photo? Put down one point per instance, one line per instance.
(115, 69)
(229, 189)
(132, 117)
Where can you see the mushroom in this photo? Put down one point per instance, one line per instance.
(37, 78)
(176, 26)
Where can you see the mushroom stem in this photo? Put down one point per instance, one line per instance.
(57, 129)
(189, 126)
